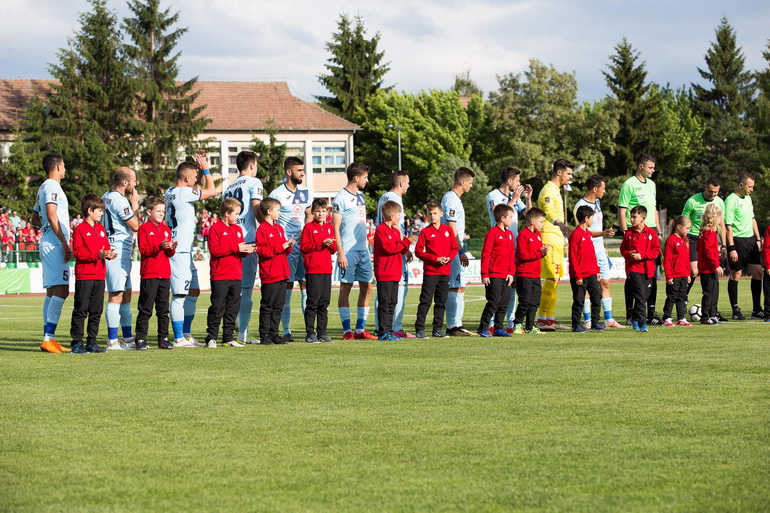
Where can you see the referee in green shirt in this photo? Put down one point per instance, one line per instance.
(640, 190)
(743, 246)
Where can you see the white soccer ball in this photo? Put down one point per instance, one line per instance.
(695, 313)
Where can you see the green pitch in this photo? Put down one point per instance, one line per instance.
(674, 420)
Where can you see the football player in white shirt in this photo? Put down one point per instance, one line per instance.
(180, 217)
(399, 184)
(510, 192)
(295, 212)
(120, 221)
(247, 189)
(52, 214)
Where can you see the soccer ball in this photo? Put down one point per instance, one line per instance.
(695, 313)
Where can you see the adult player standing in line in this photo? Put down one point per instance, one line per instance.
(180, 217)
(295, 212)
(120, 221)
(595, 188)
(353, 260)
(399, 184)
(554, 231)
(51, 212)
(454, 217)
(640, 190)
(744, 246)
(247, 189)
(511, 193)
(693, 210)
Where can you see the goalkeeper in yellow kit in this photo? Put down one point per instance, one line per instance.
(554, 232)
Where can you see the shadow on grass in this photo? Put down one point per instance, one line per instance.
(19, 345)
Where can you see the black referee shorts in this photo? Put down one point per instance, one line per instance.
(748, 253)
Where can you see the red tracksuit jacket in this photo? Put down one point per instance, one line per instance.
(389, 245)
(528, 254)
(708, 252)
(434, 243)
(317, 257)
(155, 260)
(497, 254)
(582, 255)
(645, 243)
(676, 260)
(225, 255)
(273, 263)
(87, 241)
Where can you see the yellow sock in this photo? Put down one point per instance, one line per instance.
(548, 298)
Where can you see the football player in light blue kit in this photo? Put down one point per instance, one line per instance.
(399, 184)
(51, 212)
(295, 212)
(510, 192)
(180, 217)
(121, 222)
(353, 258)
(247, 189)
(454, 217)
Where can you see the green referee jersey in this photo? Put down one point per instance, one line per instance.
(635, 192)
(739, 213)
(694, 208)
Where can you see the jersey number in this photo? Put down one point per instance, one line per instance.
(237, 194)
(172, 216)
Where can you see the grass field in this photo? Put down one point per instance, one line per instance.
(674, 420)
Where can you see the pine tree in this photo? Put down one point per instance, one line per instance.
(636, 110)
(166, 118)
(730, 142)
(354, 68)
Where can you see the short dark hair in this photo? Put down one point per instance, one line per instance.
(153, 201)
(508, 173)
(122, 173)
(463, 173)
(356, 169)
(745, 177)
(50, 162)
(714, 181)
(267, 204)
(583, 212)
(561, 165)
(185, 166)
(431, 205)
(245, 158)
(594, 181)
(290, 162)
(319, 203)
(646, 157)
(640, 209)
(534, 213)
(400, 173)
(90, 202)
(229, 205)
(501, 210)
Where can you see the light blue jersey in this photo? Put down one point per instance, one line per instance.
(392, 196)
(293, 207)
(496, 197)
(352, 207)
(180, 215)
(51, 193)
(246, 189)
(117, 210)
(454, 212)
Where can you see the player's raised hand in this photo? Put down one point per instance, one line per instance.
(201, 160)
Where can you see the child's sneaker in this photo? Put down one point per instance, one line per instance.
(325, 338)
(580, 329)
(421, 334)
(635, 325)
(129, 342)
(643, 328)
(484, 333)
(518, 330)
(534, 331)
(312, 339)
(211, 344)
(668, 322)
(501, 333)
(233, 343)
(94, 348)
(165, 344)
(587, 324)
(141, 345)
(439, 334)
(78, 348)
(682, 322)
(612, 323)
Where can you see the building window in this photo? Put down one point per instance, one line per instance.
(329, 158)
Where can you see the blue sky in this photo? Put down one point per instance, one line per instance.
(426, 42)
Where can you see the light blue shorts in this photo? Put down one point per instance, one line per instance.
(296, 265)
(55, 270)
(604, 264)
(359, 268)
(456, 274)
(250, 266)
(119, 271)
(184, 276)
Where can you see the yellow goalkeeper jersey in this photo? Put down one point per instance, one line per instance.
(549, 200)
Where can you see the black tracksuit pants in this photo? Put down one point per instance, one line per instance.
(676, 294)
(225, 303)
(89, 302)
(590, 285)
(435, 288)
(710, 284)
(528, 290)
(270, 309)
(319, 291)
(153, 292)
(639, 286)
(387, 298)
(497, 293)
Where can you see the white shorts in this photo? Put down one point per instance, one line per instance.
(296, 265)
(359, 268)
(55, 270)
(250, 266)
(456, 274)
(119, 271)
(184, 276)
(604, 264)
